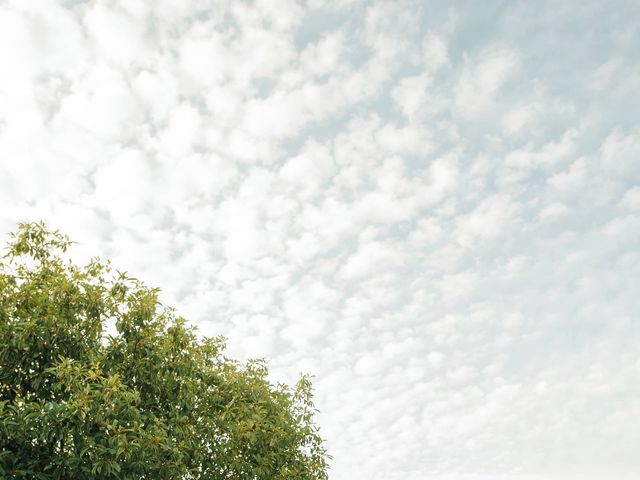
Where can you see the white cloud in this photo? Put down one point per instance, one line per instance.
(432, 210)
(196, 177)
(411, 94)
(621, 153)
(457, 285)
(434, 52)
(180, 136)
(482, 79)
(124, 186)
(487, 220)
(550, 154)
(554, 211)
(369, 259)
(101, 103)
(309, 170)
(571, 178)
(436, 358)
(204, 58)
(159, 92)
(323, 57)
(631, 198)
(123, 49)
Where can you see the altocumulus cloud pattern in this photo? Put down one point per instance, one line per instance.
(434, 207)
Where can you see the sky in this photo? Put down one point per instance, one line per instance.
(431, 206)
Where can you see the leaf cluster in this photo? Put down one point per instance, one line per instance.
(152, 401)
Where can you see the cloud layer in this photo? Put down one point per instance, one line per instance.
(433, 207)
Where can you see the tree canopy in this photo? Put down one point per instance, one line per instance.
(153, 400)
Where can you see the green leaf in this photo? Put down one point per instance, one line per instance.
(152, 401)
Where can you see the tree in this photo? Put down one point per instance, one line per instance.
(153, 401)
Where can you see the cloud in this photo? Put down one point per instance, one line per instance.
(631, 198)
(571, 178)
(411, 94)
(435, 51)
(433, 209)
(123, 49)
(554, 211)
(369, 258)
(487, 220)
(620, 152)
(483, 78)
(323, 57)
(102, 104)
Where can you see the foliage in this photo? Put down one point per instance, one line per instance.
(152, 401)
